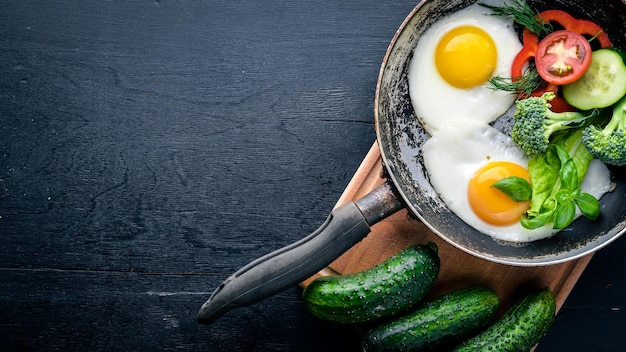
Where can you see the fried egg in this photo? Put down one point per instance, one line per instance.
(452, 63)
(463, 159)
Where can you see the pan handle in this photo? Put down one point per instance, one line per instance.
(286, 267)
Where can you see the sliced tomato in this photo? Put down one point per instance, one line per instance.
(562, 57)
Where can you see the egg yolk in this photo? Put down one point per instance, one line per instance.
(466, 56)
(489, 203)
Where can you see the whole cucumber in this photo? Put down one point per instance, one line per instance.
(390, 287)
(520, 328)
(442, 321)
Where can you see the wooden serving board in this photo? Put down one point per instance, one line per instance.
(458, 269)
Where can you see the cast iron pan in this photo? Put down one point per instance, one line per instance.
(400, 138)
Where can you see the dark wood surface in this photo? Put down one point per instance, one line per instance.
(148, 149)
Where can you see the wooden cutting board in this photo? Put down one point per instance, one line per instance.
(458, 269)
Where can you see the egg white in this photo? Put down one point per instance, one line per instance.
(434, 100)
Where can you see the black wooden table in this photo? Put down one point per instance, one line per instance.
(148, 149)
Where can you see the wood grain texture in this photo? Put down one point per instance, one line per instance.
(149, 149)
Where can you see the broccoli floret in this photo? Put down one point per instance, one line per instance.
(609, 144)
(535, 123)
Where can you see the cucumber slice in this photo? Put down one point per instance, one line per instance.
(602, 85)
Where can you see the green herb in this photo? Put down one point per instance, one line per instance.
(523, 86)
(520, 12)
(516, 188)
(569, 195)
(589, 206)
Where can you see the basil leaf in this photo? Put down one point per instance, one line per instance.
(563, 196)
(516, 188)
(569, 175)
(564, 214)
(589, 206)
(562, 153)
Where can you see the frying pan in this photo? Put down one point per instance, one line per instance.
(400, 138)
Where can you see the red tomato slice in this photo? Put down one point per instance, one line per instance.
(562, 57)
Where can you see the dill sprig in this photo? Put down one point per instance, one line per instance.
(523, 86)
(522, 14)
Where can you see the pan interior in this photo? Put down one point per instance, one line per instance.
(401, 136)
